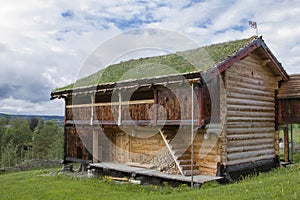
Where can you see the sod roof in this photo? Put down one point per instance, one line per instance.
(200, 59)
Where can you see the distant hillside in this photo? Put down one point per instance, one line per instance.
(58, 119)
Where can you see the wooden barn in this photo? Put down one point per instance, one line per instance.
(289, 111)
(214, 118)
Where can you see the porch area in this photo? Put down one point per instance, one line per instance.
(134, 171)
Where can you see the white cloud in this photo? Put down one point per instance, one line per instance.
(20, 106)
(44, 43)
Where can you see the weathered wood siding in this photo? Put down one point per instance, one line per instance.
(170, 106)
(78, 142)
(250, 111)
(174, 106)
(206, 152)
(142, 145)
(290, 110)
(291, 88)
(289, 100)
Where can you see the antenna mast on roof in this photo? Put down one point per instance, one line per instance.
(253, 25)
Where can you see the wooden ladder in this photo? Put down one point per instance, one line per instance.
(182, 157)
(172, 153)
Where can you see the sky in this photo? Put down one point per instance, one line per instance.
(43, 44)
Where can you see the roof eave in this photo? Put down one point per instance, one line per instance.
(186, 77)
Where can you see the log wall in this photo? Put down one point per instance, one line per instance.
(206, 152)
(250, 112)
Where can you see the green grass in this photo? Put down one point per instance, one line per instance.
(199, 59)
(279, 184)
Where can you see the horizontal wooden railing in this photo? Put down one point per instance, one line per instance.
(135, 102)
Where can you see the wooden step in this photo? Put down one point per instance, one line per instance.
(179, 146)
(189, 172)
(186, 167)
(185, 156)
(175, 158)
(179, 152)
(184, 162)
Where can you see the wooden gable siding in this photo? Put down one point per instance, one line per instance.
(250, 111)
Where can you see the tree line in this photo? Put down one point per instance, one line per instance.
(24, 139)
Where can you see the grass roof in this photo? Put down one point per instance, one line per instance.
(200, 59)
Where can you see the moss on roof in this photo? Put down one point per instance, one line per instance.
(200, 59)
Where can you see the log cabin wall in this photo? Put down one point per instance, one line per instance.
(208, 140)
(250, 112)
(206, 152)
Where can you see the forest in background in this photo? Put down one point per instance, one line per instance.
(25, 139)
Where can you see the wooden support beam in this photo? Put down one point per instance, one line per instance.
(286, 144)
(112, 103)
(155, 95)
(120, 108)
(65, 131)
(279, 111)
(265, 62)
(92, 109)
(200, 107)
(95, 146)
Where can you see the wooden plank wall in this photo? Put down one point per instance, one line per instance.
(142, 146)
(78, 143)
(172, 108)
(212, 100)
(250, 111)
(174, 105)
(291, 110)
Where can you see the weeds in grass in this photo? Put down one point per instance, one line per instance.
(281, 183)
(212, 184)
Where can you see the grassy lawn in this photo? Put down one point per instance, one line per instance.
(38, 184)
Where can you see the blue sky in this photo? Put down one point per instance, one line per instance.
(44, 43)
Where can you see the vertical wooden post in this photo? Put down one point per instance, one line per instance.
(92, 109)
(120, 108)
(292, 143)
(155, 106)
(95, 146)
(200, 106)
(192, 137)
(286, 144)
(65, 131)
(95, 132)
(279, 111)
